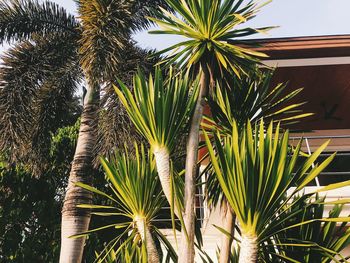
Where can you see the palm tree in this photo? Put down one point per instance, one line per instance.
(210, 48)
(255, 170)
(90, 47)
(38, 85)
(160, 110)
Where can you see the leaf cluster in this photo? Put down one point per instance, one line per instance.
(160, 108)
(260, 177)
(314, 242)
(252, 98)
(136, 193)
(209, 28)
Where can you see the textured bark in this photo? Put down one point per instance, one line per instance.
(229, 226)
(249, 249)
(186, 254)
(76, 220)
(163, 167)
(146, 236)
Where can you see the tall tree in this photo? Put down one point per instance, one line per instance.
(65, 50)
(210, 29)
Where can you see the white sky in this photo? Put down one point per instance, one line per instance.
(294, 18)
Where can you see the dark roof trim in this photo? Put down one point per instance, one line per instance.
(304, 47)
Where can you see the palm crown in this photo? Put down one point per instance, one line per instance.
(136, 197)
(160, 110)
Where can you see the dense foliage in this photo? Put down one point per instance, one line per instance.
(30, 206)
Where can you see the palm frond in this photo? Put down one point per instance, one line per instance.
(325, 240)
(115, 126)
(55, 106)
(28, 70)
(142, 9)
(252, 98)
(21, 19)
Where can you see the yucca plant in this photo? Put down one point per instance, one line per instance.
(234, 99)
(210, 29)
(131, 253)
(110, 258)
(317, 241)
(137, 198)
(255, 169)
(160, 109)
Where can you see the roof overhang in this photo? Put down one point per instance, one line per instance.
(304, 47)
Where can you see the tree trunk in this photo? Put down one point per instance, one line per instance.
(76, 220)
(163, 167)
(229, 226)
(249, 249)
(186, 254)
(147, 239)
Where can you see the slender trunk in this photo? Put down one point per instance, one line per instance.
(249, 249)
(163, 167)
(146, 236)
(229, 226)
(186, 254)
(76, 220)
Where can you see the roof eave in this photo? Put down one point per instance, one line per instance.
(303, 47)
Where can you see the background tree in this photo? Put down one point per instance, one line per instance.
(30, 206)
(95, 44)
(37, 93)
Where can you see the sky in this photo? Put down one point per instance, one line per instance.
(293, 18)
